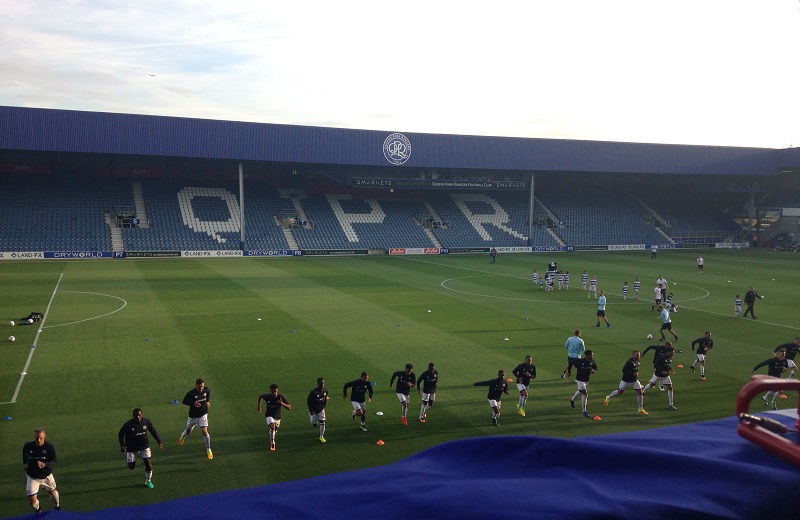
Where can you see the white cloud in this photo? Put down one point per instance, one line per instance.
(710, 72)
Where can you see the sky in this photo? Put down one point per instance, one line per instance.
(705, 72)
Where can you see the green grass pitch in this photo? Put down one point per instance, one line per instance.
(136, 333)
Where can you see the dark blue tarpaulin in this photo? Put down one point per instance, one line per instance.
(702, 470)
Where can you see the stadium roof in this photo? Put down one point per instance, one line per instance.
(66, 131)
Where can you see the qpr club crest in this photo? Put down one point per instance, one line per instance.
(397, 149)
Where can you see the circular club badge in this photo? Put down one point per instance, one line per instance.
(397, 149)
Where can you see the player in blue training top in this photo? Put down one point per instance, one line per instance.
(601, 310)
(406, 379)
(630, 379)
(497, 387)
(776, 366)
(792, 348)
(666, 322)
(358, 397)
(317, 400)
(583, 369)
(704, 344)
(429, 380)
(275, 402)
(658, 351)
(133, 440)
(524, 372)
(38, 459)
(575, 347)
(198, 399)
(662, 368)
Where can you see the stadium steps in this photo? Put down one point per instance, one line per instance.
(653, 212)
(117, 242)
(556, 237)
(295, 196)
(139, 206)
(288, 234)
(550, 214)
(430, 234)
(433, 211)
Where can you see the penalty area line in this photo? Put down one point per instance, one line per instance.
(35, 341)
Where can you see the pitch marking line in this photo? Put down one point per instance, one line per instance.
(124, 304)
(42, 327)
(35, 341)
(640, 301)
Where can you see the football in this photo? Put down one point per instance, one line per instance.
(649, 336)
(12, 338)
(11, 323)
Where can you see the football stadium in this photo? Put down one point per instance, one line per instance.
(141, 253)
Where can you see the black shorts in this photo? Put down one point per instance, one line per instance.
(573, 362)
(601, 314)
(666, 326)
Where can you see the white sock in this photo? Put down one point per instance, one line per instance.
(669, 396)
(584, 400)
(207, 440)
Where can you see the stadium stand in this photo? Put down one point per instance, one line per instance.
(200, 214)
(187, 217)
(344, 222)
(687, 219)
(592, 219)
(497, 219)
(63, 215)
